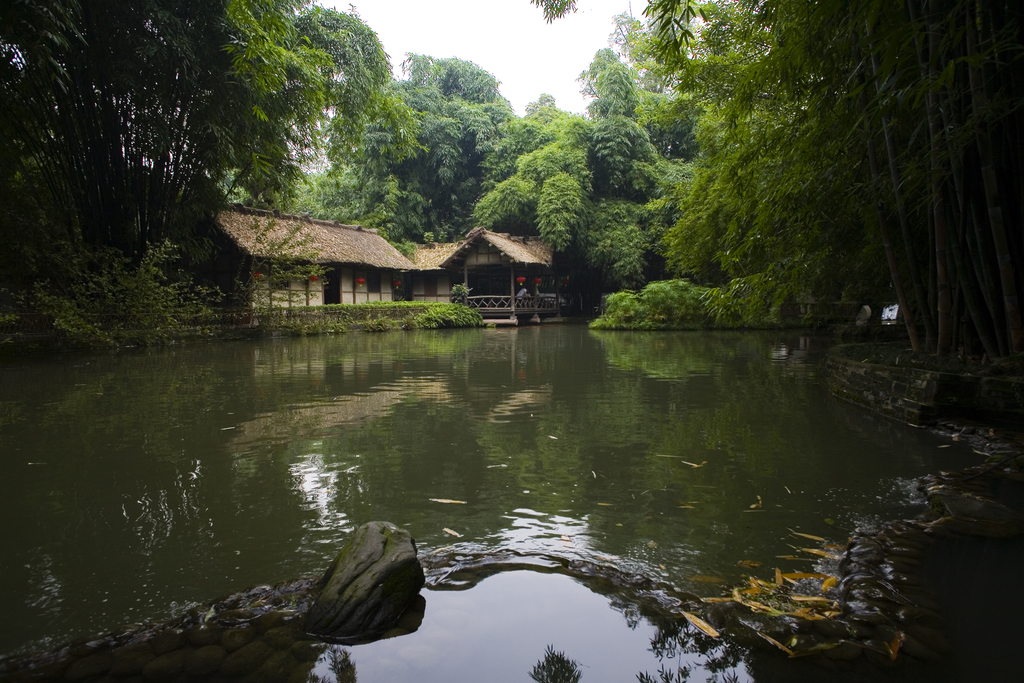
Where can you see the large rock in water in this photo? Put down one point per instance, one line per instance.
(371, 582)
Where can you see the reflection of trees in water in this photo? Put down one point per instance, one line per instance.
(340, 664)
(676, 641)
(555, 667)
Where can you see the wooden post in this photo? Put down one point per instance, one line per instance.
(512, 280)
(558, 299)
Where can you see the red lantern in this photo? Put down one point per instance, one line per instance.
(520, 279)
(314, 278)
(360, 281)
(257, 275)
(536, 280)
(397, 283)
(565, 282)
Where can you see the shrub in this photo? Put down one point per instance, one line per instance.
(448, 315)
(661, 305)
(102, 299)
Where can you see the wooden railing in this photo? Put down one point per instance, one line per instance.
(504, 303)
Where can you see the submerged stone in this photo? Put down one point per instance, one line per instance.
(369, 585)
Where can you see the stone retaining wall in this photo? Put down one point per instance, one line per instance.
(923, 396)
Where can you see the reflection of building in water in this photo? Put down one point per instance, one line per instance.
(309, 420)
(519, 402)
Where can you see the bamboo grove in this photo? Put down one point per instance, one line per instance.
(940, 84)
(901, 129)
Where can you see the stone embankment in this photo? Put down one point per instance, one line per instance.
(922, 396)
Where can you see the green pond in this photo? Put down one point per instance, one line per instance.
(139, 484)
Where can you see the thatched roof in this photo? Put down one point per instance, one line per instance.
(529, 250)
(258, 233)
(431, 256)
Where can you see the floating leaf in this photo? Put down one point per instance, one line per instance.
(456, 534)
(813, 538)
(445, 500)
(652, 544)
(829, 583)
(829, 521)
(607, 505)
(755, 511)
(694, 465)
(821, 553)
(750, 564)
(701, 624)
(894, 645)
(794, 558)
(778, 577)
(776, 643)
(685, 507)
(757, 505)
(553, 437)
(808, 598)
(663, 566)
(717, 600)
(815, 649)
(566, 539)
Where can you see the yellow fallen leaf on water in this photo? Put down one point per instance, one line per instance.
(757, 505)
(701, 624)
(553, 437)
(607, 505)
(813, 538)
(794, 557)
(717, 600)
(945, 445)
(893, 646)
(685, 507)
(808, 598)
(776, 643)
(652, 544)
(815, 649)
(750, 564)
(821, 553)
(566, 539)
(663, 566)
(446, 500)
(694, 465)
(829, 583)
(778, 577)
(453, 533)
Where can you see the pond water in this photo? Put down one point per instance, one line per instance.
(138, 484)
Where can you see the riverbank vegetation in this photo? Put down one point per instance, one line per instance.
(767, 151)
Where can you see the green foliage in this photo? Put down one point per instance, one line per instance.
(661, 305)
(592, 188)
(99, 298)
(459, 114)
(459, 294)
(559, 209)
(441, 315)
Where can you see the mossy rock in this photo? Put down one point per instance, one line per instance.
(369, 585)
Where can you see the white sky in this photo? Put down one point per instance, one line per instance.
(508, 38)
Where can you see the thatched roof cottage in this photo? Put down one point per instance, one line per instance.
(361, 265)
